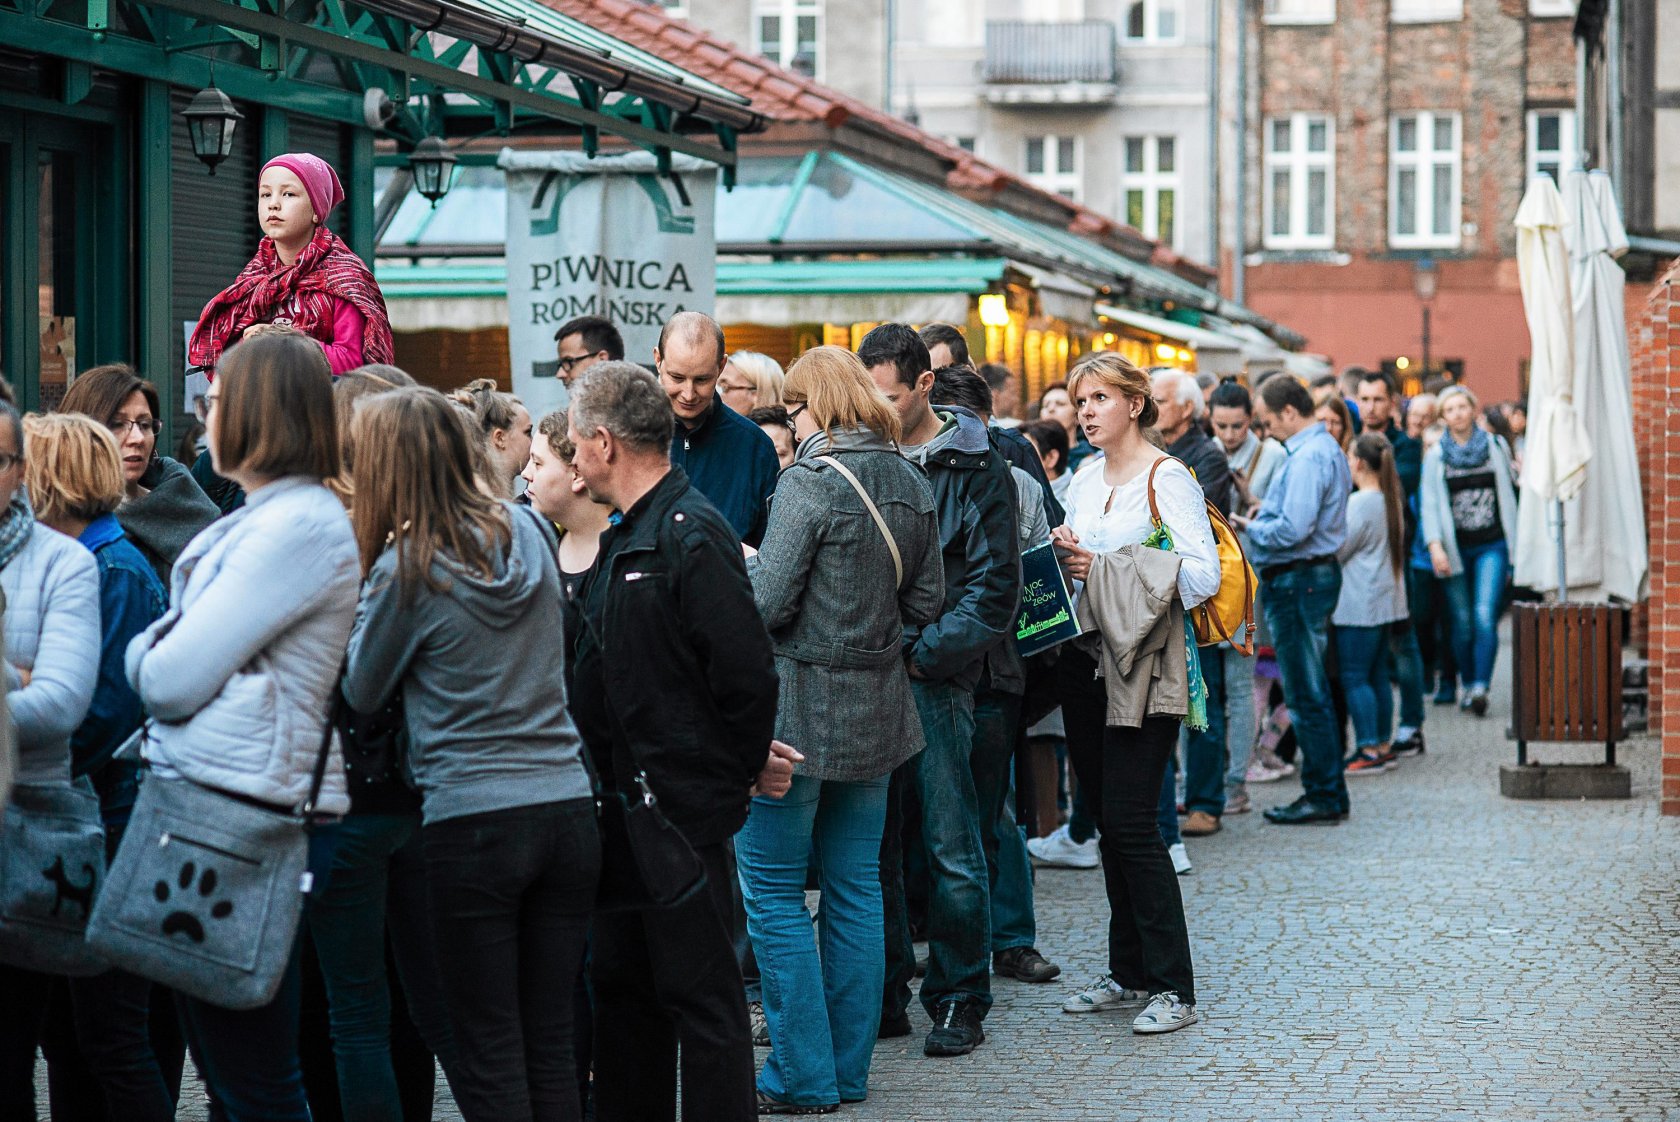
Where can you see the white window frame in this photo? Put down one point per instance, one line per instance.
(1152, 181)
(1425, 11)
(1423, 162)
(1299, 11)
(676, 9)
(1151, 23)
(1544, 9)
(1299, 163)
(1564, 155)
(787, 46)
(1070, 184)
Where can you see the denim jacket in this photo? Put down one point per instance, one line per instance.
(130, 598)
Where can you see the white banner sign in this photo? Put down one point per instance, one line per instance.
(607, 237)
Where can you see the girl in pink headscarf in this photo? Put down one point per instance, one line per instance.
(303, 276)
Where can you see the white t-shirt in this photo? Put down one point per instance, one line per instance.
(1127, 522)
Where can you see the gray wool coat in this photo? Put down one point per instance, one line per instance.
(823, 581)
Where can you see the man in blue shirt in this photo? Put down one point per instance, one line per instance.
(727, 457)
(1293, 542)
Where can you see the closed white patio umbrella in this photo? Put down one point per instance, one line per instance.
(1605, 542)
(1557, 447)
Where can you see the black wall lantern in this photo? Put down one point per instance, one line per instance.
(434, 168)
(211, 119)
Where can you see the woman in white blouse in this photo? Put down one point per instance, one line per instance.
(1123, 767)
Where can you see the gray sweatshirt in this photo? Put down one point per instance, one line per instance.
(482, 670)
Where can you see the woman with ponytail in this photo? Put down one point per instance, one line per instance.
(1373, 559)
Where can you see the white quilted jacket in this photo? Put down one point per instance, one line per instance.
(238, 675)
(52, 630)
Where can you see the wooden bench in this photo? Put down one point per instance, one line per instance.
(1566, 675)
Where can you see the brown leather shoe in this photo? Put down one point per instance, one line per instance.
(1199, 825)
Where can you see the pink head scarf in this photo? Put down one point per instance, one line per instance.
(320, 181)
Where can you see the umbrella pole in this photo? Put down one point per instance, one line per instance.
(1557, 529)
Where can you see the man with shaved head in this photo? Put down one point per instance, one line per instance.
(726, 456)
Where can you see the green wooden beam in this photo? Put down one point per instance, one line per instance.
(443, 77)
(150, 61)
(276, 133)
(20, 349)
(358, 187)
(154, 272)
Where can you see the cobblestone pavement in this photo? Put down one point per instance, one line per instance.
(1447, 954)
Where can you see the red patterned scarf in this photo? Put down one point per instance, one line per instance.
(326, 268)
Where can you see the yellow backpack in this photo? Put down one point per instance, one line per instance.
(1230, 611)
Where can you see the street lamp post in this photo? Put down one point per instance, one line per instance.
(1424, 280)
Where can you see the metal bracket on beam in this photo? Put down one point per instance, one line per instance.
(99, 15)
(78, 82)
(271, 54)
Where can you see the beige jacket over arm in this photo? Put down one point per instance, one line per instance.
(1131, 613)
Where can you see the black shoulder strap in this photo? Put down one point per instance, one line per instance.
(319, 775)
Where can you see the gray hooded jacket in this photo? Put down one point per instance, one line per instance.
(482, 670)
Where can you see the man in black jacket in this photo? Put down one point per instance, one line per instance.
(673, 675)
(975, 497)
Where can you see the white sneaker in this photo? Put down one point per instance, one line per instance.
(1104, 993)
(1180, 858)
(1060, 849)
(1166, 1013)
(1261, 772)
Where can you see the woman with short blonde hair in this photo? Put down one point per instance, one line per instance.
(1468, 519)
(1111, 507)
(763, 373)
(74, 470)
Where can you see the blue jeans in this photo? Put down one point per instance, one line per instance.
(959, 901)
(1405, 660)
(997, 726)
(1205, 756)
(249, 1057)
(1166, 806)
(378, 886)
(1364, 653)
(1298, 604)
(1474, 598)
(821, 992)
(1239, 716)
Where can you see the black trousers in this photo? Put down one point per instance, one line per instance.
(1148, 940)
(668, 976)
(511, 892)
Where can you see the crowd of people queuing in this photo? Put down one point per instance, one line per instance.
(779, 608)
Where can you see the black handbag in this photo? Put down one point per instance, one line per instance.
(645, 861)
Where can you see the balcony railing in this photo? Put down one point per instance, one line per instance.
(1043, 54)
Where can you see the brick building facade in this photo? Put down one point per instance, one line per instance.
(1389, 135)
(1654, 339)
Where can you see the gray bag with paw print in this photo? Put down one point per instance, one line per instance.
(206, 891)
